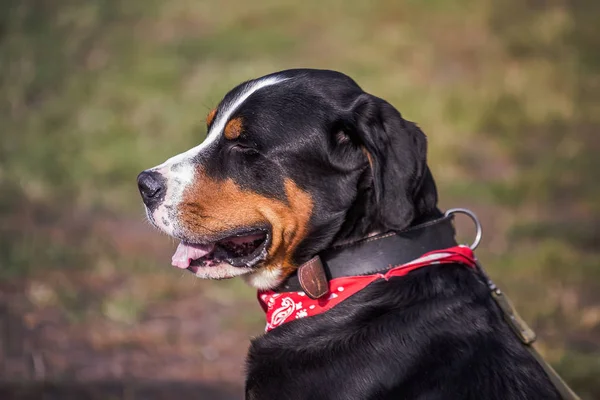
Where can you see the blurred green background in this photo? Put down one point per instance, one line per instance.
(92, 92)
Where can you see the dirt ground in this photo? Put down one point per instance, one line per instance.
(174, 351)
(188, 341)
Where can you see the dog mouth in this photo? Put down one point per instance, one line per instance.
(245, 250)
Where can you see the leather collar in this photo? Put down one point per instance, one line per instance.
(368, 256)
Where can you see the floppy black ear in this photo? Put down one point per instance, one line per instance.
(397, 149)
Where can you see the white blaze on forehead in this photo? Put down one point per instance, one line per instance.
(226, 111)
(219, 124)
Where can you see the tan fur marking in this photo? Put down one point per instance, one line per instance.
(211, 116)
(210, 207)
(233, 129)
(369, 157)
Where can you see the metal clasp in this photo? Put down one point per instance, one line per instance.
(473, 217)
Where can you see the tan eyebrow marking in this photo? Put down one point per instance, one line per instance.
(233, 129)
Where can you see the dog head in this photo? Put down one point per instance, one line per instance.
(293, 162)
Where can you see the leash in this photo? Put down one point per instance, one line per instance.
(343, 270)
(519, 327)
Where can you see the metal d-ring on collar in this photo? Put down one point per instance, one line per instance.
(473, 217)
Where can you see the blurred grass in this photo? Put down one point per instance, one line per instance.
(509, 93)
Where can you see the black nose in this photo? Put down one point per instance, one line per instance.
(152, 187)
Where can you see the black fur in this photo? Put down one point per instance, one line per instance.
(434, 334)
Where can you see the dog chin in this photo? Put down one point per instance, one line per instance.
(261, 279)
(264, 278)
(221, 271)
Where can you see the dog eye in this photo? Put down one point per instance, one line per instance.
(242, 148)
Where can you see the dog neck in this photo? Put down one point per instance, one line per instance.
(350, 265)
(285, 306)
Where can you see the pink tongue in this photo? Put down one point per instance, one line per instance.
(185, 253)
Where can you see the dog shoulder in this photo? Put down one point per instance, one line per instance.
(384, 342)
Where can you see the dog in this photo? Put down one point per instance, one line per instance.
(300, 162)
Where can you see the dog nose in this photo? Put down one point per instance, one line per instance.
(151, 185)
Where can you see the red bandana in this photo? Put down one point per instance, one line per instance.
(287, 306)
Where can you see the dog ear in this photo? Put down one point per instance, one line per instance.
(397, 151)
